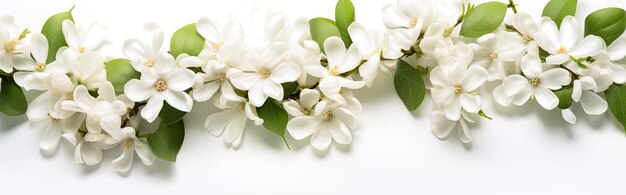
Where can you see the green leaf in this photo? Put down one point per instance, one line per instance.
(322, 29)
(484, 19)
(274, 118)
(170, 114)
(616, 98)
(12, 99)
(607, 23)
(558, 9)
(484, 115)
(344, 15)
(119, 72)
(565, 96)
(167, 140)
(52, 29)
(409, 85)
(290, 88)
(186, 40)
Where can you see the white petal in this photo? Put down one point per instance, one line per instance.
(123, 163)
(152, 108)
(531, 65)
(470, 103)
(208, 30)
(234, 130)
(91, 154)
(590, 46)
(39, 47)
(592, 103)
(555, 78)
(501, 97)
(216, 122)
(302, 127)
(50, 138)
(72, 38)
(546, 98)
(514, 84)
(453, 110)
(256, 95)
(440, 125)
(179, 100)
(569, 32)
(285, 72)
(153, 35)
(474, 78)
(340, 133)
(273, 90)
(617, 49)
(322, 138)
(309, 97)
(144, 152)
(335, 51)
(138, 91)
(568, 116)
(180, 80)
(394, 18)
(205, 92)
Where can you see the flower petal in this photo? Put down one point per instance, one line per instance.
(302, 127)
(568, 116)
(335, 51)
(152, 108)
(50, 138)
(546, 98)
(153, 35)
(138, 91)
(179, 100)
(123, 163)
(340, 133)
(144, 152)
(440, 125)
(555, 78)
(590, 46)
(592, 103)
(180, 80)
(474, 78)
(322, 138)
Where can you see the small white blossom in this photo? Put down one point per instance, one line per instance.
(81, 41)
(143, 54)
(14, 50)
(232, 121)
(130, 145)
(442, 126)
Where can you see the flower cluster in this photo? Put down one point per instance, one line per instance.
(295, 77)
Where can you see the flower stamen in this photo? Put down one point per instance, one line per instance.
(527, 39)
(265, 73)
(40, 66)
(149, 63)
(335, 71)
(217, 46)
(327, 116)
(220, 77)
(161, 85)
(306, 111)
(534, 81)
(493, 56)
(128, 144)
(82, 50)
(413, 21)
(11, 46)
(561, 50)
(458, 90)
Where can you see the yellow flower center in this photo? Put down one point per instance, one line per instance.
(82, 49)
(161, 85)
(265, 73)
(128, 144)
(11, 46)
(217, 46)
(54, 120)
(561, 50)
(149, 63)
(527, 39)
(306, 111)
(327, 116)
(494, 56)
(40, 66)
(413, 21)
(220, 77)
(458, 90)
(335, 71)
(534, 81)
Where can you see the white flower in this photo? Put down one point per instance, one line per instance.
(564, 43)
(129, 145)
(103, 113)
(165, 82)
(223, 42)
(263, 69)
(308, 99)
(308, 54)
(407, 13)
(88, 69)
(442, 126)
(339, 61)
(86, 152)
(496, 51)
(57, 129)
(232, 121)
(143, 54)
(436, 43)
(608, 60)
(526, 26)
(329, 121)
(585, 93)
(536, 83)
(381, 54)
(38, 70)
(81, 41)
(213, 79)
(58, 88)
(455, 85)
(14, 51)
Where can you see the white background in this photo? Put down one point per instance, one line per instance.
(522, 151)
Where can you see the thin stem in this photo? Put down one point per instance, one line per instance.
(513, 6)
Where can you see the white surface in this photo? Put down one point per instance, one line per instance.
(522, 151)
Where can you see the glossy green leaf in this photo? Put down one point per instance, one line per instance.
(119, 72)
(616, 98)
(409, 85)
(289, 88)
(167, 140)
(53, 30)
(607, 23)
(186, 40)
(12, 99)
(274, 117)
(484, 19)
(558, 9)
(344, 15)
(322, 29)
(170, 114)
(565, 96)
